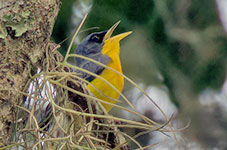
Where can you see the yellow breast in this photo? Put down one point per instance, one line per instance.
(111, 48)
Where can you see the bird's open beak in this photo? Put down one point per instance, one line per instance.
(119, 36)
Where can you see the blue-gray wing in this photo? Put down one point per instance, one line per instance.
(93, 67)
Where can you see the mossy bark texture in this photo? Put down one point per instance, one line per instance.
(25, 31)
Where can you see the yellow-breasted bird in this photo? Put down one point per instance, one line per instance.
(105, 49)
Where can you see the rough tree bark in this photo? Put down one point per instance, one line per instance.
(26, 27)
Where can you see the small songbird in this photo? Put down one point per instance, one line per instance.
(105, 49)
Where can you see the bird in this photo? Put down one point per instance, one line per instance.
(100, 46)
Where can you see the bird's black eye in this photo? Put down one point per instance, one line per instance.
(95, 38)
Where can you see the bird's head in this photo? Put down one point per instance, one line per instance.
(111, 44)
(100, 43)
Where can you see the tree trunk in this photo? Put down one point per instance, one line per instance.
(26, 27)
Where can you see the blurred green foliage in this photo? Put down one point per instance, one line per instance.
(62, 27)
(184, 36)
(202, 14)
